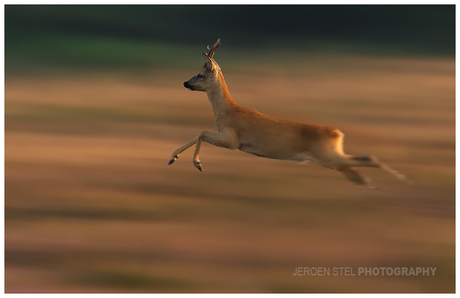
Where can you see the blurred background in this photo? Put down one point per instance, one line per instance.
(94, 107)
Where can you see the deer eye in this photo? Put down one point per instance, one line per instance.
(200, 76)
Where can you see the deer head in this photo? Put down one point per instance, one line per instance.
(208, 74)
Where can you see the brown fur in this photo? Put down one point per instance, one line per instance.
(265, 136)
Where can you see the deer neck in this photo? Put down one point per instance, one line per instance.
(220, 99)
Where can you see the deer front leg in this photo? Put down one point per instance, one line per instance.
(178, 151)
(225, 140)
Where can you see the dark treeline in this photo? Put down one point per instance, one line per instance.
(406, 29)
(190, 23)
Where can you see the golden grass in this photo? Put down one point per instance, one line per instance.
(91, 205)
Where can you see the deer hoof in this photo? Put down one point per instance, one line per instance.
(172, 159)
(197, 165)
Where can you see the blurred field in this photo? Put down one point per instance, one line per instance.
(91, 205)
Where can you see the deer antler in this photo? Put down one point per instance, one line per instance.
(213, 49)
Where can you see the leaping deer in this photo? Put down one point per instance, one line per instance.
(265, 136)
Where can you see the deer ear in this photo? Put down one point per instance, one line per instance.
(208, 61)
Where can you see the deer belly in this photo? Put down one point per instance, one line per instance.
(275, 153)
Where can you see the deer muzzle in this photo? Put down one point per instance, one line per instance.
(188, 86)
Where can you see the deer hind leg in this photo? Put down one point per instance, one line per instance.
(354, 176)
(332, 160)
(331, 155)
(371, 161)
(363, 160)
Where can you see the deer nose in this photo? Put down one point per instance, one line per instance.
(188, 86)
